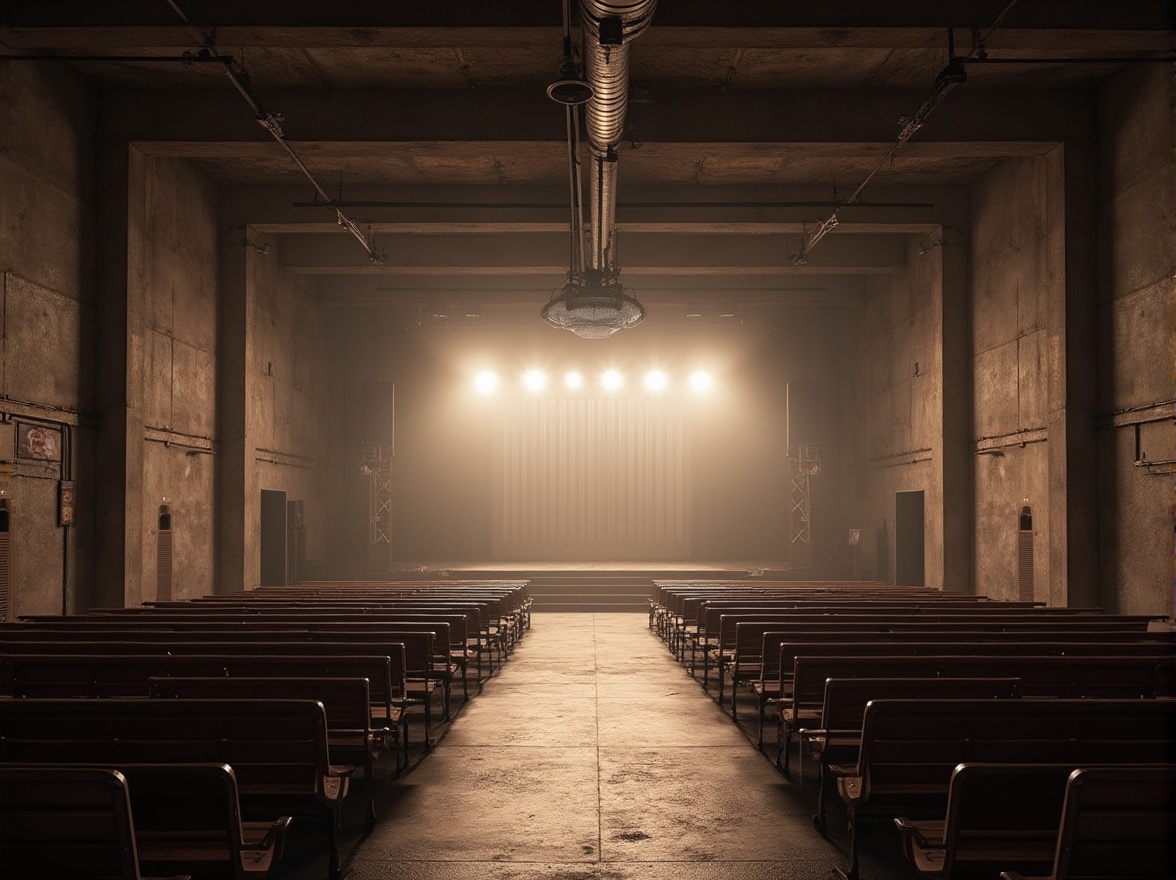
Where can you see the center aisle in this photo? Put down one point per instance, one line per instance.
(592, 755)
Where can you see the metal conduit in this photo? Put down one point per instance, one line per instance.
(607, 70)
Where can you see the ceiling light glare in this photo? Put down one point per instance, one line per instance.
(534, 380)
(574, 381)
(486, 382)
(656, 380)
(701, 381)
(612, 381)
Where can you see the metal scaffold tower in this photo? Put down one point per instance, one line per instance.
(376, 463)
(804, 463)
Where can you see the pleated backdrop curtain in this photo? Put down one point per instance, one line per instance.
(591, 479)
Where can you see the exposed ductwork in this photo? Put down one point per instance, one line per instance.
(609, 28)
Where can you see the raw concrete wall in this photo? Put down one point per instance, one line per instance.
(288, 404)
(1136, 329)
(903, 388)
(179, 277)
(1018, 248)
(47, 223)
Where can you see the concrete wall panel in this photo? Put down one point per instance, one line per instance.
(1136, 355)
(1018, 249)
(42, 345)
(157, 403)
(194, 403)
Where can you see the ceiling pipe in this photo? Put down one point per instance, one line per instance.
(609, 28)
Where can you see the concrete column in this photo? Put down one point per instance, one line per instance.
(235, 456)
(1073, 484)
(955, 462)
(120, 365)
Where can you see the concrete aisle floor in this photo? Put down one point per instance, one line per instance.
(593, 755)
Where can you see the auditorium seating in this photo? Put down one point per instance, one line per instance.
(891, 688)
(291, 688)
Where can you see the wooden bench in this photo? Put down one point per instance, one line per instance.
(997, 815)
(1116, 822)
(832, 732)
(417, 647)
(277, 748)
(113, 674)
(910, 748)
(59, 823)
(350, 735)
(1045, 675)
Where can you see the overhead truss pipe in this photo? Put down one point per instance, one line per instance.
(609, 28)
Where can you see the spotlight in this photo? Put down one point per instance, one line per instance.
(534, 380)
(702, 382)
(612, 380)
(486, 382)
(574, 380)
(656, 380)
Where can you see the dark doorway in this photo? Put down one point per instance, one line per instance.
(273, 538)
(908, 539)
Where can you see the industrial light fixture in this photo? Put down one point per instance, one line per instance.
(486, 382)
(656, 380)
(592, 311)
(534, 380)
(701, 381)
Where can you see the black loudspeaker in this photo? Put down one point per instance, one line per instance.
(377, 413)
(802, 408)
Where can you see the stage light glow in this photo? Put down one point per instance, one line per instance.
(611, 380)
(486, 382)
(701, 381)
(656, 380)
(534, 380)
(574, 380)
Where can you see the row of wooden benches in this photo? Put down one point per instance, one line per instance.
(864, 676)
(293, 690)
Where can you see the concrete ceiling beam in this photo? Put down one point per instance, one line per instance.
(315, 119)
(547, 255)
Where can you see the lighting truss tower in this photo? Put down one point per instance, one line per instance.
(804, 463)
(376, 464)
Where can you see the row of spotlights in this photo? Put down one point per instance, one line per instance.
(487, 381)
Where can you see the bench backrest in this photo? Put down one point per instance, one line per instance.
(65, 823)
(1041, 676)
(845, 699)
(1001, 807)
(275, 747)
(346, 700)
(918, 743)
(1117, 822)
(129, 675)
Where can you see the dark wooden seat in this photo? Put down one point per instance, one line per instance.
(998, 815)
(67, 823)
(1116, 823)
(832, 733)
(121, 674)
(909, 748)
(350, 734)
(278, 749)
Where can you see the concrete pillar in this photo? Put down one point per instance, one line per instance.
(235, 456)
(955, 462)
(1073, 484)
(120, 368)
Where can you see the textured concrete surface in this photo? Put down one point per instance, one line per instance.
(592, 756)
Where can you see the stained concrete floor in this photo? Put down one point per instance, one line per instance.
(593, 755)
